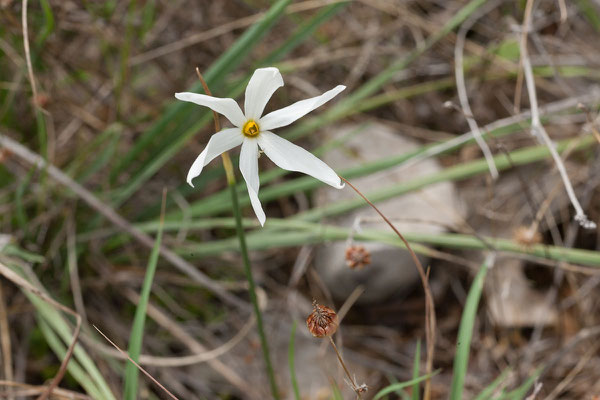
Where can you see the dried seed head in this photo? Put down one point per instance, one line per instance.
(322, 322)
(526, 236)
(362, 388)
(357, 257)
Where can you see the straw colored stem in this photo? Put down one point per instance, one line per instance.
(350, 378)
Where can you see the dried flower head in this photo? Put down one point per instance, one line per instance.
(362, 388)
(322, 322)
(357, 257)
(526, 236)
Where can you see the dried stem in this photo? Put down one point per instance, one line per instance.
(28, 52)
(5, 344)
(430, 321)
(136, 364)
(537, 129)
(351, 379)
(462, 91)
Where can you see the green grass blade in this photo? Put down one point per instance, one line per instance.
(64, 332)
(457, 172)
(214, 76)
(219, 202)
(465, 331)
(137, 331)
(589, 11)
(73, 367)
(401, 385)
(520, 392)
(383, 77)
(489, 390)
(291, 351)
(181, 134)
(290, 232)
(48, 27)
(305, 30)
(416, 391)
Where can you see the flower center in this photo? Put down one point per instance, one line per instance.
(250, 129)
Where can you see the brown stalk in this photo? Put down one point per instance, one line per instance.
(5, 343)
(225, 155)
(430, 323)
(350, 378)
(137, 365)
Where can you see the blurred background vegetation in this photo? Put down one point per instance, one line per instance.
(91, 135)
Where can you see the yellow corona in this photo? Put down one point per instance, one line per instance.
(250, 129)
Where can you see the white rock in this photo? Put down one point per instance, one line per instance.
(426, 211)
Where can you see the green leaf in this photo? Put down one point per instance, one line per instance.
(137, 331)
(401, 385)
(465, 331)
(416, 394)
(488, 391)
(291, 362)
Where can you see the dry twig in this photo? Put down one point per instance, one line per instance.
(109, 213)
(430, 322)
(462, 90)
(537, 129)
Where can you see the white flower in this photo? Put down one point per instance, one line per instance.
(253, 130)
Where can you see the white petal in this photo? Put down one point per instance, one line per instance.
(227, 107)
(289, 114)
(219, 143)
(262, 85)
(249, 168)
(294, 158)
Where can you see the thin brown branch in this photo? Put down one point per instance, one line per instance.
(32, 390)
(136, 364)
(350, 378)
(5, 343)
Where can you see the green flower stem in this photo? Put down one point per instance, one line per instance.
(248, 270)
(229, 172)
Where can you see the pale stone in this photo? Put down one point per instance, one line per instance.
(429, 210)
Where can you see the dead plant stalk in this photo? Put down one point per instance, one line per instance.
(430, 322)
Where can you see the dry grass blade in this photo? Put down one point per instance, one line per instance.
(109, 213)
(538, 130)
(5, 344)
(136, 364)
(220, 30)
(462, 90)
(24, 284)
(28, 52)
(32, 390)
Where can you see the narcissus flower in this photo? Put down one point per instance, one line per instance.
(253, 130)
